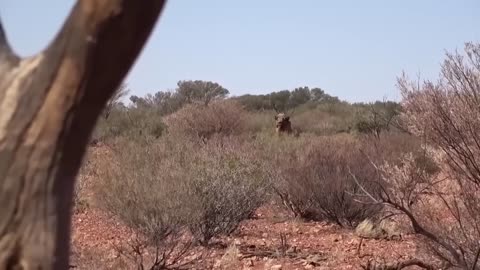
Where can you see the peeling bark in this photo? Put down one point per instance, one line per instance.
(49, 104)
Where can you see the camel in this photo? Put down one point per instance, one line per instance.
(283, 124)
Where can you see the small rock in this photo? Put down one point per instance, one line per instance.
(249, 263)
(276, 267)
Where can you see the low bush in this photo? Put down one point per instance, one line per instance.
(324, 119)
(442, 203)
(227, 184)
(223, 117)
(135, 123)
(166, 185)
(313, 176)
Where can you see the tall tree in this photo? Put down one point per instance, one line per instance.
(300, 96)
(317, 94)
(201, 91)
(281, 99)
(49, 104)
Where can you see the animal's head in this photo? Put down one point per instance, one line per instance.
(282, 122)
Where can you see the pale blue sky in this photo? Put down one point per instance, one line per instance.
(352, 49)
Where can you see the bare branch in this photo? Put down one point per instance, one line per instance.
(416, 225)
(362, 188)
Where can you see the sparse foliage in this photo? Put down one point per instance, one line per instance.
(313, 180)
(169, 184)
(443, 207)
(228, 184)
(162, 252)
(378, 118)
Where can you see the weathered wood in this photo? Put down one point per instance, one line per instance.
(49, 104)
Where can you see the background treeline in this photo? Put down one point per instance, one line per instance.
(312, 109)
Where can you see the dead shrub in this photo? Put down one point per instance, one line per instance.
(86, 258)
(443, 207)
(224, 117)
(153, 254)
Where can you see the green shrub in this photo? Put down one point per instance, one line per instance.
(228, 183)
(168, 184)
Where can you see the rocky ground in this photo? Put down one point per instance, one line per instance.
(272, 239)
(257, 244)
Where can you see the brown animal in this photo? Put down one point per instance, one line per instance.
(282, 123)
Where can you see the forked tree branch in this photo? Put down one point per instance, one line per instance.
(49, 104)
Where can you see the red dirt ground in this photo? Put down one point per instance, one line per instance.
(330, 247)
(316, 245)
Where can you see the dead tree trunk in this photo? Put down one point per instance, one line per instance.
(49, 104)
